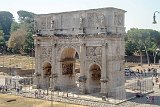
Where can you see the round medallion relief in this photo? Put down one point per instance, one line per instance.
(90, 51)
(98, 51)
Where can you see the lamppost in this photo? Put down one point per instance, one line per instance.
(154, 17)
(156, 52)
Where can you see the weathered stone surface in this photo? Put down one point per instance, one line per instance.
(96, 36)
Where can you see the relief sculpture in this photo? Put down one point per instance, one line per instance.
(67, 68)
(94, 51)
(118, 19)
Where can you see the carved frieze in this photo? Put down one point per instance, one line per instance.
(118, 19)
(46, 54)
(103, 24)
(43, 23)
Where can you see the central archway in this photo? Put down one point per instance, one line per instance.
(69, 67)
(95, 76)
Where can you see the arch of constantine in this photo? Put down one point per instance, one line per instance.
(80, 50)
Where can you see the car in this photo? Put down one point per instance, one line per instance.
(128, 71)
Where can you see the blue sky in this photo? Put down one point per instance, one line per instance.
(139, 12)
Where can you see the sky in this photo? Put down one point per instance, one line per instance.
(139, 12)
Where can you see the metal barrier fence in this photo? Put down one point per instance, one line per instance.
(139, 86)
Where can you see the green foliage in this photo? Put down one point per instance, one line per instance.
(25, 16)
(1, 27)
(2, 41)
(6, 19)
(17, 38)
(21, 39)
(142, 39)
(130, 48)
(14, 26)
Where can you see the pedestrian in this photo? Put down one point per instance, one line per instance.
(145, 72)
(36, 93)
(141, 72)
(67, 95)
(152, 99)
(43, 94)
(39, 93)
(157, 80)
(156, 72)
(147, 97)
(137, 71)
(0, 88)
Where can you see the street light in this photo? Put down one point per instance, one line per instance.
(154, 17)
(155, 54)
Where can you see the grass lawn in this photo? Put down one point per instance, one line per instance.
(29, 102)
(24, 62)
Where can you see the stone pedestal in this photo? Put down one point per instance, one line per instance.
(82, 84)
(104, 87)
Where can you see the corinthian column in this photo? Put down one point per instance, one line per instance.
(82, 78)
(104, 79)
(82, 59)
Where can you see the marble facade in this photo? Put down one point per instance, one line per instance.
(92, 39)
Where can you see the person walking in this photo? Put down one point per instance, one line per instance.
(152, 99)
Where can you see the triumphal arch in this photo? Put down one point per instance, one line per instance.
(80, 50)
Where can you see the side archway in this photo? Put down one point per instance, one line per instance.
(47, 74)
(47, 69)
(94, 78)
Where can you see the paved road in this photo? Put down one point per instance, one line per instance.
(137, 102)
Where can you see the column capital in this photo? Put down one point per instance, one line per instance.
(83, 44)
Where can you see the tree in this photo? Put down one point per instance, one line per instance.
(134, 35)
(130, 48)
(143, 39)
(25, 16)
(6, 19)
(23, 30)
(14, 26)
(2, 41)
(17, 39)
(155, 43)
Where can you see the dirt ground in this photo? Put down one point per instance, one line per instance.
(19, 101)
(135, 66)
(24, 62)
